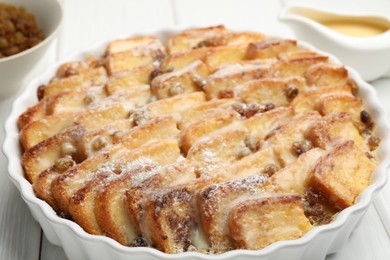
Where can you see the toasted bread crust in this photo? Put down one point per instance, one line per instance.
(342, 174)
(252, 226)
(217, 141)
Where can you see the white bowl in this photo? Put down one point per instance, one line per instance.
(78, 244)
(15, 68)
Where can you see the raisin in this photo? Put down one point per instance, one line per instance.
(270, 169)
(199, 82)
(68, 149)
(99, 143)
(239, 108)
(373, 142)
(226, 94)
(252, 110)
(366, 119)
(88, 99)
(301, 147)
(242, 150)
(291, 92)
(70, 72)
(269, 106)
(41, 91)
(252, 143)
(155, 73)
(139, 241)
(64, 163)
(170, 69)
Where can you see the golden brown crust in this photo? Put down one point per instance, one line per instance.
(258, 222)
(270, 49)
(342, 174)
(43, 155)
(217, 141)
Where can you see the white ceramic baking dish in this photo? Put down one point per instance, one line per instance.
(78, 244)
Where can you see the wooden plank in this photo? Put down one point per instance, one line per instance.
(16, 223)
(382, 202)
(50, 251)
(18, 229)
(90, 21)
(257, 15)
(368, 241)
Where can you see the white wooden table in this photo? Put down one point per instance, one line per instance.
(88, 21)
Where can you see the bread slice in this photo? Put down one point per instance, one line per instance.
(221, 83)
(181, 199)
(325, 74)
(173, 208)
(341, 103)
(68, 183)
(78, 67)
(175, 106)
(102, 138)
(140, 44)
(294, 177)
(258, 222)
(74, 100)
(220, 148)
(225, 54)
(334, 129)
(127, 60)
(189, 39)
(307, 101)
(198, 112)
(279, 92)
(87, 79)
(296, 63)
(240, 38)
(171, 175)
(214, 202)
(44, 155)
(342, 174)
(86, 145)
(93, 143)
(180, 60)
(42, 129)
(285, 138)
(129, 79)
(186, 80)
(132, 98)
(67, 101)
(270, 48)
(84, 99)
(170, 219)
(102, 204)
(206, 126)
(33, 113)
(261, 124)
(48, 126)
(213, 51)
(133, 53)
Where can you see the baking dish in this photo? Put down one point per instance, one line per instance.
(78, 244)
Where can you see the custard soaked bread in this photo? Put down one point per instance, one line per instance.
(214, 141)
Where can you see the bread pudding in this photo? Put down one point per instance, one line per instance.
(211, 142)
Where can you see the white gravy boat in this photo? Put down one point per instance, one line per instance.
(368, 52)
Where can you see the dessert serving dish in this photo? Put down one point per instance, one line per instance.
(198, 144)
